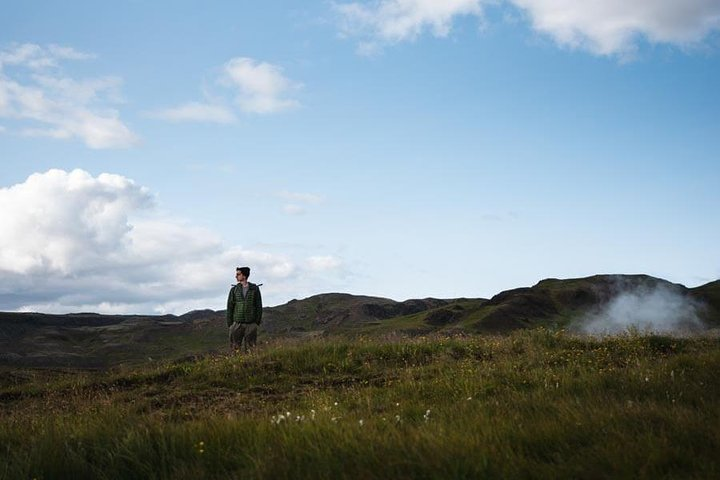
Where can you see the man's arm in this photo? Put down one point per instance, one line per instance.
(230, 306)
(258, 307)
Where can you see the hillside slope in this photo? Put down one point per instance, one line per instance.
(98, 341)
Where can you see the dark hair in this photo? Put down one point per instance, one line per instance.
(244, 270)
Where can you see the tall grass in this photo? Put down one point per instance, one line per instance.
(535, 404)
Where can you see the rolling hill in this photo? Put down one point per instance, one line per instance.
(87, 340)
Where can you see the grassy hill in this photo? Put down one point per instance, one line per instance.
(101, 341)
(551, 303)
(529, 404)
(709, 296)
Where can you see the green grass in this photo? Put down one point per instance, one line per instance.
(534, 404)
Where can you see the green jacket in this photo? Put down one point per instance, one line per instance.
(246, 309)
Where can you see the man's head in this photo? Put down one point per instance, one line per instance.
(242, 273)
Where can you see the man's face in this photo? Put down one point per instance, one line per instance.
(239, 276)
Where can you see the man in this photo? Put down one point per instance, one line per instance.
(244, 311)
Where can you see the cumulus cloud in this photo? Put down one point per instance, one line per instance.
(72, 241)
(261, 87)
(604, 27)
(196, 112)
(37, 96)
(60, 222)
(610, 27)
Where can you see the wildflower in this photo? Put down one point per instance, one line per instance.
(336, 404)
(469, 398)
(312, 414)
(334, 419)
(360, 422)
(427, 415)
(397, 418)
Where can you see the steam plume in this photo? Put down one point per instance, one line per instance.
(659, 308)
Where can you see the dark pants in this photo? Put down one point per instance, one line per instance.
(240, 332)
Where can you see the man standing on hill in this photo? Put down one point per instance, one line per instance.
(244, 311)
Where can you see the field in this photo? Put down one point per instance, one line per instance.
(532, 404)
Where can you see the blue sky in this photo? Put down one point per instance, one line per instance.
(398, 148)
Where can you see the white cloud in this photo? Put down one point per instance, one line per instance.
(610, 27)
(604, 27)
(298, 201)
(294, 209)
(196, 112)
(60, 222)
(37, 57)
(74, 242)
(390, 21)
(68, 53)
(322, 263)
(249, 86)
(47, 103)
(80, 92)
(261, 86)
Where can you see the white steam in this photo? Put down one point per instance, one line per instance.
(659, 309)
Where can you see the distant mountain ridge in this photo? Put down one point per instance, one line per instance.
(88, 340)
